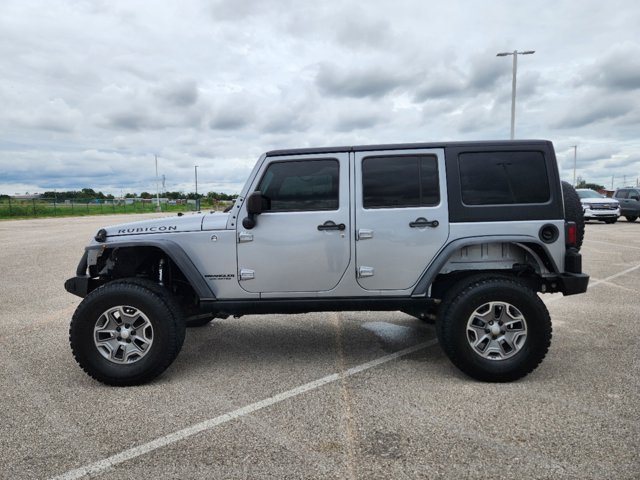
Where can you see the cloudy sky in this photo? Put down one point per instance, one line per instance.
(91, 90)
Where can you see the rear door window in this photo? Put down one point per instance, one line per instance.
(400, 181)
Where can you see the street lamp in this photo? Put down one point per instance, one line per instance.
(158, 209)
(515, 54)
(197, 200)
(575, 158)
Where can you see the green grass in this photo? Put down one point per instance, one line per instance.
(39, 208)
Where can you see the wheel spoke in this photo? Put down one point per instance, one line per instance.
(123, 334)
(496, 330)
(115, 317)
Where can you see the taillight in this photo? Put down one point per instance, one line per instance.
(571, 234)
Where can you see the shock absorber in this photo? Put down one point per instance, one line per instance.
(161, 271)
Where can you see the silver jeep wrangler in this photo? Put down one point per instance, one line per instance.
(461, 233)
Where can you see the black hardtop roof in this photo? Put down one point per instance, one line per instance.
(410, 146)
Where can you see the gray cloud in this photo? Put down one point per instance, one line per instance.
(361, 33)
(343, 81)
(55, 116)
(236, 112)
(230, 120)
(180, 94)
(440, 83)
(594, 108)
(130, 120)
(487, 70)
(618, 69)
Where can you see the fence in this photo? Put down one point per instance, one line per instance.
(56, 207)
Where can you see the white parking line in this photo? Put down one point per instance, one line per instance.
(619, 274)
(107, 463)
(595, 283)
(613, 244)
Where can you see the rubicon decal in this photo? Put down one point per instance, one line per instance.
(161, 228)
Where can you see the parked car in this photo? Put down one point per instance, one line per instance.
(598, 207)
(629, 198)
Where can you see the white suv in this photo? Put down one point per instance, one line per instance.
(598, 207)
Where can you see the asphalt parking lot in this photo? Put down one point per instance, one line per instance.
(338, 395)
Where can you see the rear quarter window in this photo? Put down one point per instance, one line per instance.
(503, 178)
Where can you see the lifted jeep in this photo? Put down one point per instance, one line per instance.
(464, 234)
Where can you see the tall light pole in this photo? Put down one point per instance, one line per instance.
(197, 202)
(515, 54)
(157, 188)
(575, 158)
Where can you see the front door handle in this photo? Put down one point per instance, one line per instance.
(329, 225)
(422, 222)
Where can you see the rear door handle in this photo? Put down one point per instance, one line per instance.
(329, 225)
(422, 222)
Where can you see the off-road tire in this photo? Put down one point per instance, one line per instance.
(168, 298)
(461, 304)
(171, 303)
(167, 332)
(631, 218)
(573, 211)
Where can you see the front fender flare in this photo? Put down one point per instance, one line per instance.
(172, 249)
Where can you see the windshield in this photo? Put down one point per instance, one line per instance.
(589, 194)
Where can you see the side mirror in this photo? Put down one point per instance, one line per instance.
(254, 203)
(254, 207)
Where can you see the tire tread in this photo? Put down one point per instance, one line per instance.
(450, 342)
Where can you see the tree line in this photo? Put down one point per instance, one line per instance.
(89, 193)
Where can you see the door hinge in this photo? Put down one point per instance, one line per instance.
(246, 274)
(245, 237)
(365, 272)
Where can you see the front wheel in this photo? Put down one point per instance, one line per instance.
(631, 218)
(125, 334)
(494, 330)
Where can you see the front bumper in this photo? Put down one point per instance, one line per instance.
(79, 285)
(601, 214)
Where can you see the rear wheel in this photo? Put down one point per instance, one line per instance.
(495, 329)
(631, 218)
(610, 221)
(124, 333)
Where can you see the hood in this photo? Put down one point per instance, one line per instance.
(174, 224)
(599, 201)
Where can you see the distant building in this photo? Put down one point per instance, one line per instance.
(26, 196)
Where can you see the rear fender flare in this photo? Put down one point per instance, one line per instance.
(434, 268)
